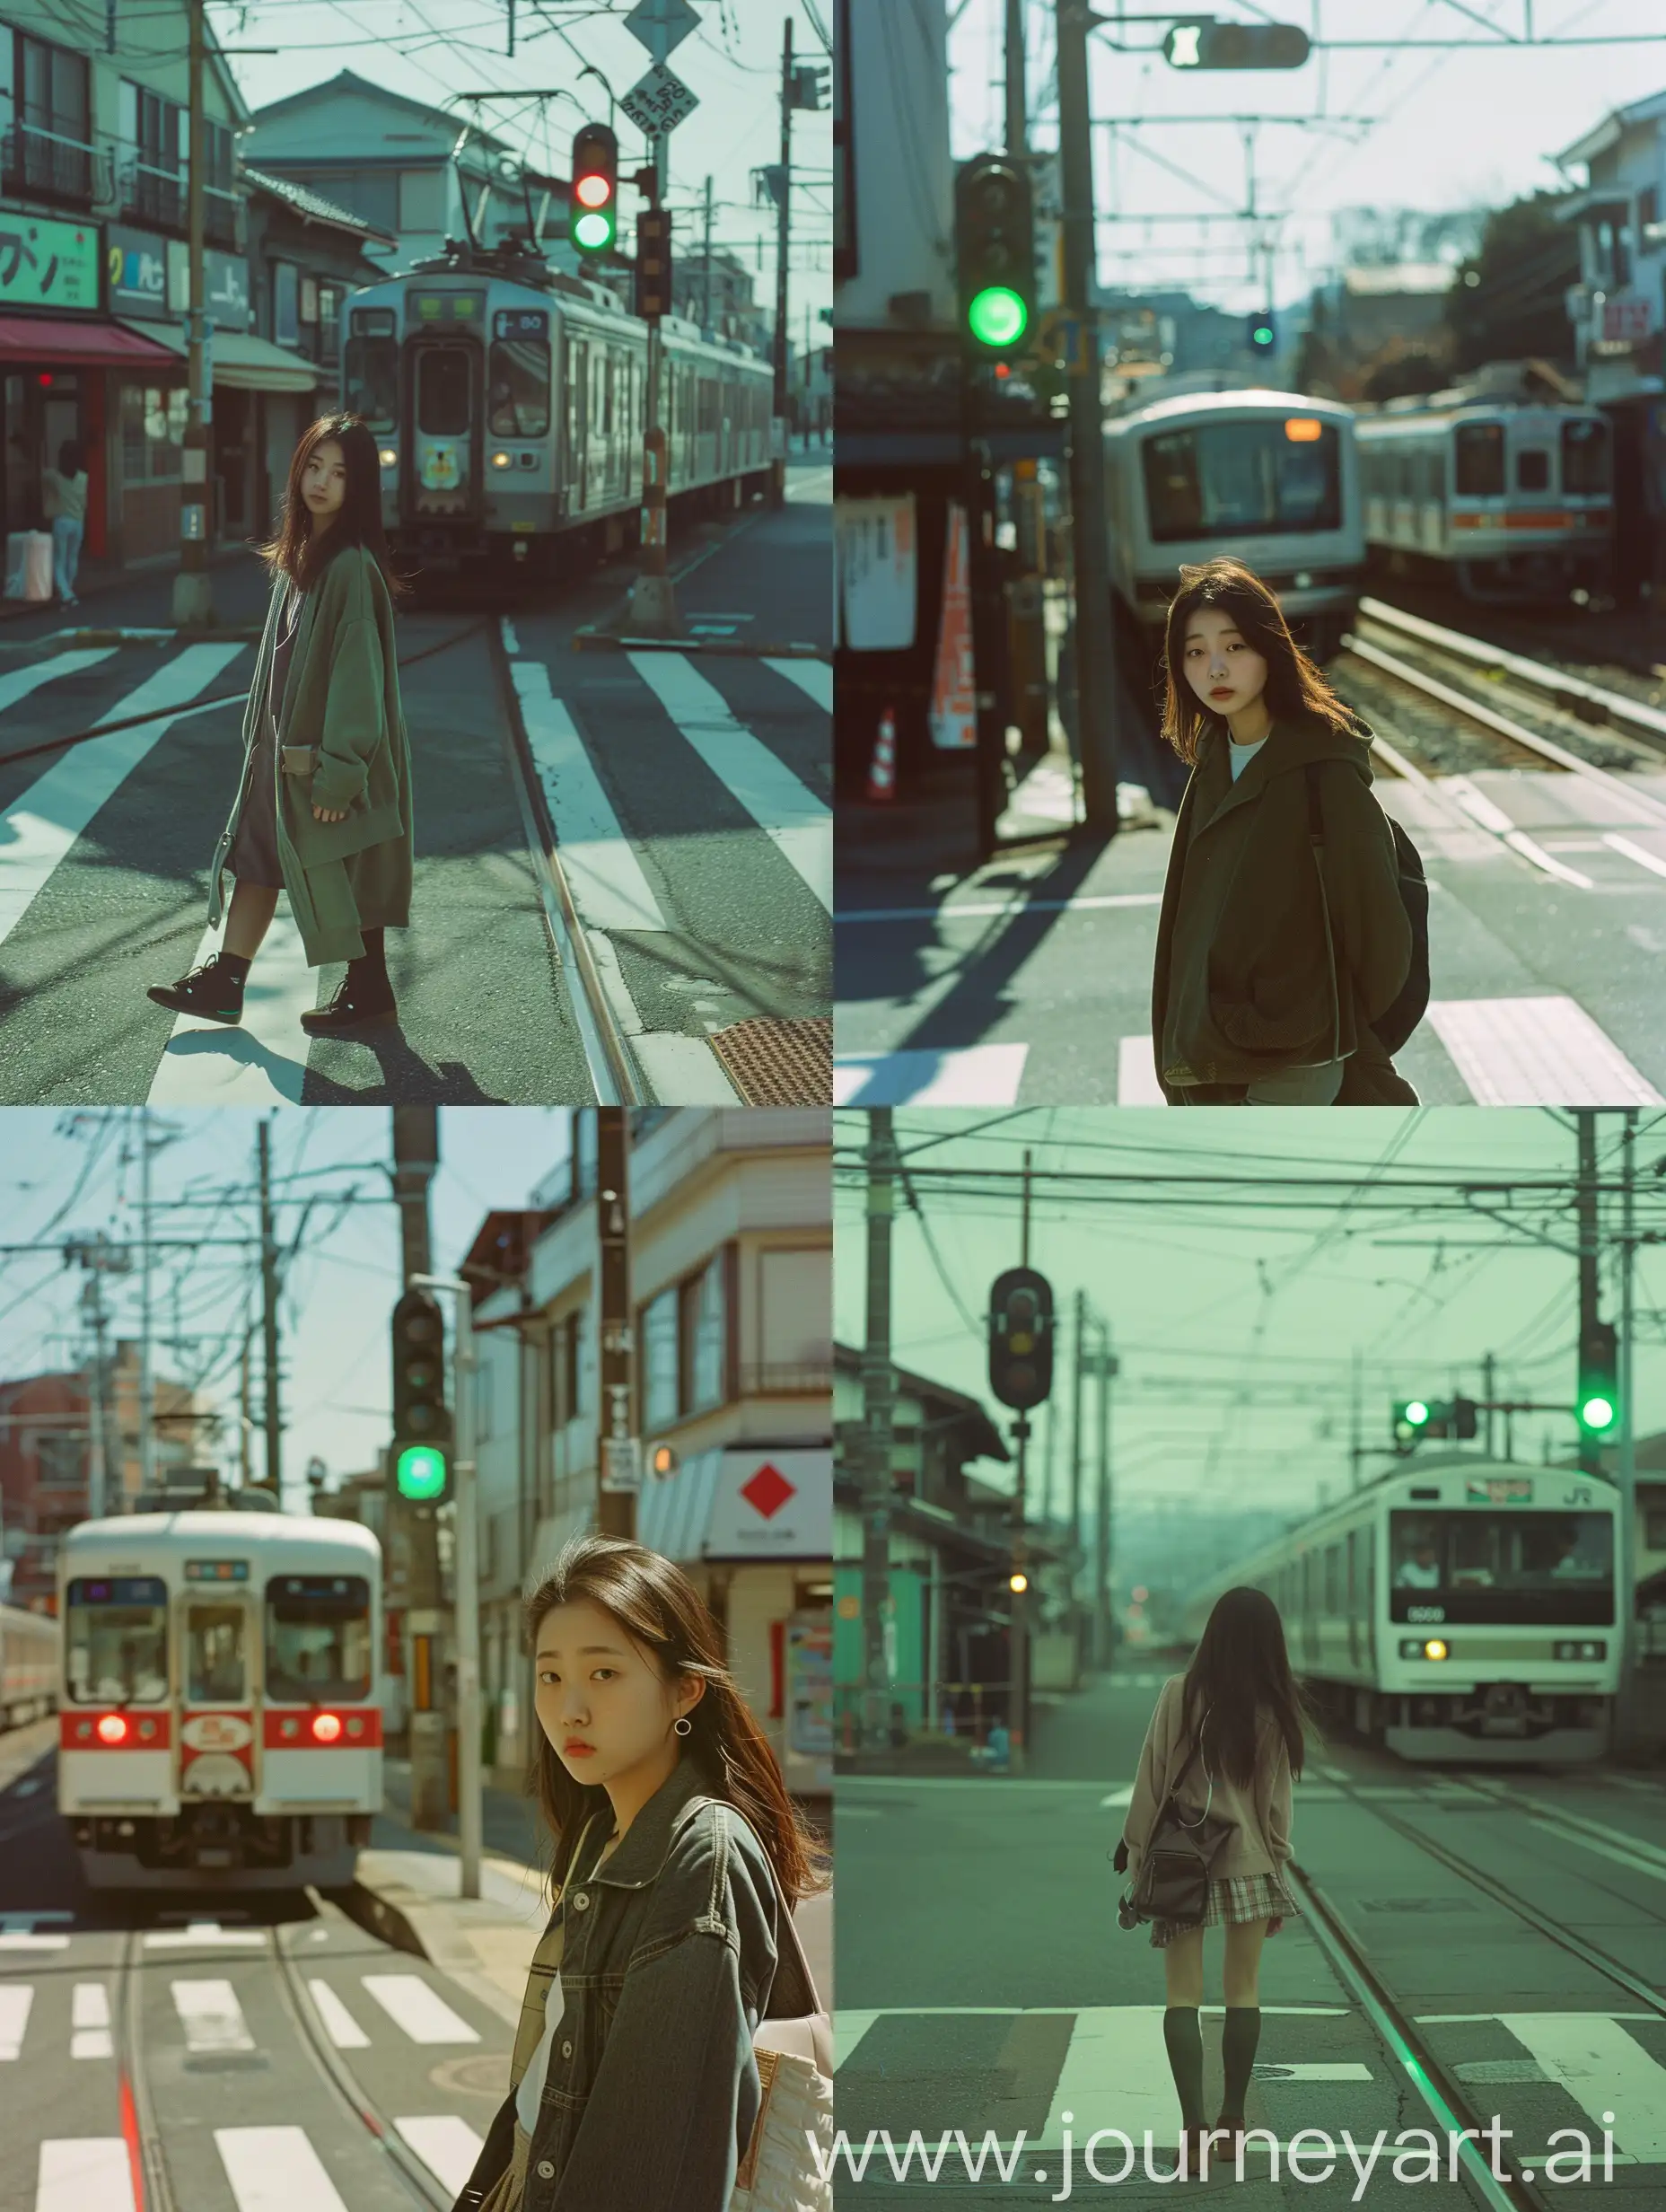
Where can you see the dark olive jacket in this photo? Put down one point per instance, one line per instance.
(668, 1964)
(1257, 970)
(341, 703)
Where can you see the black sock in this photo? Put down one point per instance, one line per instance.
(371, 966)
(1183, 2040)
(234, 965)
(1239, 2039)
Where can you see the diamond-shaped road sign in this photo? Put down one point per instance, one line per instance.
(659, 102)
(662, 25)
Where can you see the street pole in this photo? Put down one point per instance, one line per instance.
(268, 1295)
(1586, 1121)
(879, 1392)
(1015, 102)
(465, 1526)
(619, 1454)
(705, 278)
(1489, 1390)
(653, 609)
(1078, 1380)
(1018, 1728)
(147, 1381)
(416, 1155)
(1102, 1533)
(783, 232)
(1625, 1564)
(1092, 634)
(98, 1475)
(193, 595)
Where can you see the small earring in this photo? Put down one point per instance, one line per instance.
(683, 1725)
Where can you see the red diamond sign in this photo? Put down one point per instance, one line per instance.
(768, 1490)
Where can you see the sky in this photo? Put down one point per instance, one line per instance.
(341, 1288)
(431, 49)
(1442, 130)
(1237, 1307)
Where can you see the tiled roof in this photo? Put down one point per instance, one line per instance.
(309, 203)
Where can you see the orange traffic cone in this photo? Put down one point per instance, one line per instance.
(882, 771)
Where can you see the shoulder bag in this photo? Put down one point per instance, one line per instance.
(1173, 1882)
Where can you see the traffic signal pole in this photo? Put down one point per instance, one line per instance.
(1586, 1121)
(466, 1577)
(192, 594)
(619, 1454)
(413, 1530)
(879, 1401)
(652, 610)
(784, 235)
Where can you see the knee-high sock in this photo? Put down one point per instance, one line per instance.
(1183, 2041)
(1239, 2039)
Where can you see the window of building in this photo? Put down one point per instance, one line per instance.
(794, 1320)
(704, 1337)
(152, 434)
(329, 323)
(308, 299)
(285, 303)
(571, 1387)
(51, 153)
(659, 1381)
(422, 200)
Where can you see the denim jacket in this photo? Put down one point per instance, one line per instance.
(669, 1962)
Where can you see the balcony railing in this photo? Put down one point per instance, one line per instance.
(150, 195)
(787, 1379)
(45, 164)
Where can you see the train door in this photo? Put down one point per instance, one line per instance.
(1354, 1598)
(446, 415)
(578, 379)
(215, 1672)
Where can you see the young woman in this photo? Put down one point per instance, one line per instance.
(64, 491)
(323, 810)
(1238, 1707)
(1267, 977)
(634, 2086)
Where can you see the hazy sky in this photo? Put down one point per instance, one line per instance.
(340, 1287)
(430, 49)
(1237, 1313)
(1444, 130)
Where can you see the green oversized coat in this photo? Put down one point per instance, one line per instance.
(342, 701)
(1248, 979)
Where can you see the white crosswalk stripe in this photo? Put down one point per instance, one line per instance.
(212, 2017)
(414, 2004)
(85, 2173)
(814, 677)
(15, 2001)
(276, 2170)
(608, 887)
(446, 2144)
(90, 2028)
(263, 1060)
(343, 2030)
(972, 1076)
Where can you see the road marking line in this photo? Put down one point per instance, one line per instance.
(90, 2036)
(23, 682)
(446, 2144)
(276, 2170)
(343, 2030)
(263, 1060)
(212, 2018)
(41, 826)
(85, 2173)
(1635, 852)
(975, 1076)
(969, 909)
(195, 1932)
(16, 1999)
(421, 2011)
(23, 1939)
(1136, 1073)
(814, 677)
(1603, 2069)
(1536, 1052)
(789, 813)
(609, 886)
(1115, 2074)
(1481, 809)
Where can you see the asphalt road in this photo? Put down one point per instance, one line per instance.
(984, 1984)
(701, 775)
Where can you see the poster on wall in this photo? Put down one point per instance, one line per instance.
(810, 1685)
(874, 552)
(45, 264)
(953, 717)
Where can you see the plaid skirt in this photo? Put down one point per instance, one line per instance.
(1240, 1897)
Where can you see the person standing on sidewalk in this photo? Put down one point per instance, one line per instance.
(1271, 965)
(323, 810)
(634, 2086)
(63, 496)
(1239, 1708)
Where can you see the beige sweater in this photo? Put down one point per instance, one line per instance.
(1260, 1814)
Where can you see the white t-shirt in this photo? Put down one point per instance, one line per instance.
(1243, 755)
(530, 2094)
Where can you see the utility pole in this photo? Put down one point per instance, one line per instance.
(705, 278)
(1018, 1719)
(777, 469)
(1015, 102)
(1625, 1563)
(1102, 1547)
(879, 1406)
(1489, 1390)
(1078, 1380)
(466, 1571)
(620, 1449)
(268, 1307)
(193, 594)
(1091, 637)
(653, 609)
(416, 1155)
(1586, 1121)
(147, 1381)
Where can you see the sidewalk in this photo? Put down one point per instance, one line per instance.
(117, 599)
(409, 1885)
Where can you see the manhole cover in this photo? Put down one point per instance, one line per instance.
(474, 2078)
(773, 1062)
(1417, 1904)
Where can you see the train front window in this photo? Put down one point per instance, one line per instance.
(317, 1639)
(1516, 1551)
(1480, 460)
(442, 392)
(1533, 469)
(518, 387)
(217, 1663)
(1585, 472)
(116, 1641)
(372, 370)
(1241, 479)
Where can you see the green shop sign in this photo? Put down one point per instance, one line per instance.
(45, 264)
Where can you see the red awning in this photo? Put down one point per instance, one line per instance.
(57, 343)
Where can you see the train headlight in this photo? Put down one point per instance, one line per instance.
(500, 461)
(1435, 1648)
(388, 457)
(1424, 1647)
(326, 1726)
(1575, 1649)
(112, 1729)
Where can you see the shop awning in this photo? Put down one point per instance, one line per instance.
(748, 1502)
(64, 344)
(242, 363)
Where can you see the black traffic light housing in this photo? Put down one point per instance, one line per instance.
(1261, 331)
(1442, 1418)
(1021, 1339)
(420, 1413)
(1202, 43)
(653, 262)
(1598, 1378)
(994, 254)
(593, 200)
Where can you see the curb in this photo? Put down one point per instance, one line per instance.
(436, 1928)
(590, 639)
(47, 648)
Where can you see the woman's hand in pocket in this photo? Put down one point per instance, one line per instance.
(324, 813)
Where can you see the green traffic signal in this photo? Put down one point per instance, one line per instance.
(1416, 1413)
(1596, 1413)
(996, 316)
(420, 1472)
(593, 231)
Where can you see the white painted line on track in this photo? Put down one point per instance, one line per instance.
(1481, 809)
(263, 1060)
(789, 813)
(276, 2170)
(90, 2028)
(85, 2173)
(609, 886)
(212, 2017)
(446, 2144)
(15, 2000)
(814, 677)
(1136, 1073)
(1536, 1052)
(343, 2030)
(411, 2004)
(974, 1075)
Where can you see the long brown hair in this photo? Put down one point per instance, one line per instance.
(302, 554)
(1294, 683)
(1240, 1670)
(662, 1613)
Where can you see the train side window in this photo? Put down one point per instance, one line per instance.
(317, 1639)
(116, 1645)
(216, 1663)
(1333, 1569)
(1480, 449)
(518, 383)
(1533, 469)
(442, 391)
(1585, 458)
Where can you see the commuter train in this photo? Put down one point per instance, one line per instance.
(1507, 504)
(28, 1666)
(1271, 477)
(219, 1722)
(508, 402)
(1459, 1610)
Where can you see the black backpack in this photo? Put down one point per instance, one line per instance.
(1394, 1026)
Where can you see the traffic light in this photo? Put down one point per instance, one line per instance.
(1411, 1421)
(812, 80)
(1205, 44)
(1416, 1418)
(1021, 1339)
(653, 262)
(993, 252)
(1598, 1379)
(593, 205)
(1262, 332)
(422, 1423)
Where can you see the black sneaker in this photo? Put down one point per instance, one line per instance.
(357, 1004)
(211, 991)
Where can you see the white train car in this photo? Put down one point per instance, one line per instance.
(509, 404)
(1269, 476)
(219, 1723)
(28, 1666)
(1458, 1609)
(1504, 504)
